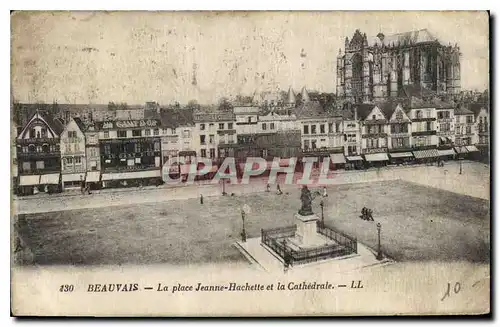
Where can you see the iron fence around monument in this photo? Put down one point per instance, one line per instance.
(275, 240)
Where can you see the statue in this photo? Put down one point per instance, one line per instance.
(306, 199)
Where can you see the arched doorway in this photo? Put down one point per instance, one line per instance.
(357, 77)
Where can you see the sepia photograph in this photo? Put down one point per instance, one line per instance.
(250, 163)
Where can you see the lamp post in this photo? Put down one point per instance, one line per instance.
(460, 160)
(243, 232)
(322, 204)
(379, 254)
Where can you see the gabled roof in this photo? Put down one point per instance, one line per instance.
(80, 124)
(476, 108)
(54, 124)
(312, 109)
(462, 110)
(364, 110)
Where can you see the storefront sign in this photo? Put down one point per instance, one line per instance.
(130, 124)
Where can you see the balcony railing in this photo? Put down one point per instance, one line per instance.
(38, 141)
(423, 119)
(423, 133)
(374, 135)
(29, 155)
(375, 150)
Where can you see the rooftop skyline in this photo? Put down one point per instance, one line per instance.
(135, 57)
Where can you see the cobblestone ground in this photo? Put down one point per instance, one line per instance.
(169, 225)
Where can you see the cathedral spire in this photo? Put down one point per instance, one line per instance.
(305, 95)
(290, 96)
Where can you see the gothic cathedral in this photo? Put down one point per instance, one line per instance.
(392, 65)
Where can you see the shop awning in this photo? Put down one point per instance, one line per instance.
(376, 157)
(401, 155)
(422, 154)
(471, 148)
(354, 158)
(461, 149)
(29, 180)
(93, 176)
(73, 177)
(50, 179)
(337, 158)
(131, 175)
(448, 152)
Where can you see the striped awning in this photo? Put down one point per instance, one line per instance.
(448, 152)
(461, 149)
(422, 154)
(471, 148)
(337, 158)
(401, 155)
(93, 176)
(73, 177)
(28, 180)
(50, 179)
(376, 157)
(131, 175)
(354, 158)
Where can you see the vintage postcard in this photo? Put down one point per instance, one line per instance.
(227, 164)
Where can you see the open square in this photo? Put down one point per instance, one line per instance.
(419, 223)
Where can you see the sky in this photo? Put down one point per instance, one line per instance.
(134, 57)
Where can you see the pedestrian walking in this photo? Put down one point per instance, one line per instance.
(201, 198)
(268, 188)
(279, 189)
(325, 194)
(82, 185)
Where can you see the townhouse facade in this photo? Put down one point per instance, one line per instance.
(73, 154)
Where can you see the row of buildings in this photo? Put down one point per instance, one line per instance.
(56, 152)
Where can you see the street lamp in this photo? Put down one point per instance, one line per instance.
(322, 204)
(379, 254)
(243, 232)
(460, 161)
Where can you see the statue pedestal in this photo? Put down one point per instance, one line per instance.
(306, 228)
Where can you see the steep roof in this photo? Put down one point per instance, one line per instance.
(80, 124)
(290, 96)
(364, 110)
(312, 109)
(411, 37)
(462, 110)
(476, 108)
(304, 94)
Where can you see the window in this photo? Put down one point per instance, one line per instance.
(322, 129)
(147, 132)
(25, 149)
(221, 125)
(271, 126)
(211, 139)
(399, 115)
(249, 119)
(203, 153)
(156, 146)
(137, 147)
(78, 160)
(32, 133)
(428, 114)
(186, 134)
(77, 147)
(173, 131)
(469, 119)
(374, 117)
(306, 144)
(313, 129)
(330, 128)
(202, 139)
(468, 130)
(27, 166)
(212, 153)
(38, 148)
(72, 134)
(40, 164)
(457, 130)
(429, 126)
(106, 135)
(31, 148)
(122, 133)
(229, 125)
(68, 147)
(136, 132)
(156, 131)
(306, 129)
(337, 127)
(107, 149)
(264, 126)
(419, 114)
(69, 160)
(93, 152)
(313, 144)
(44, 132)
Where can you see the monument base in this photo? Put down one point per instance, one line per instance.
(306, 228)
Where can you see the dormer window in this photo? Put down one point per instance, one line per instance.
(419, 114)
(374, 117)
(399, 115)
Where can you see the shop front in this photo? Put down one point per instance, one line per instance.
(337, 161)
(72, 181)
(401, 158)
(461, 152)
(132, 179)
(50, 183)
(354, 162)
(426, 156)
(473, 152)
(376, 159)
(93, 180)
(447, 154)
(28, 184)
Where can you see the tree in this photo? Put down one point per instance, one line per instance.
(225, 104)
(193, 104)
